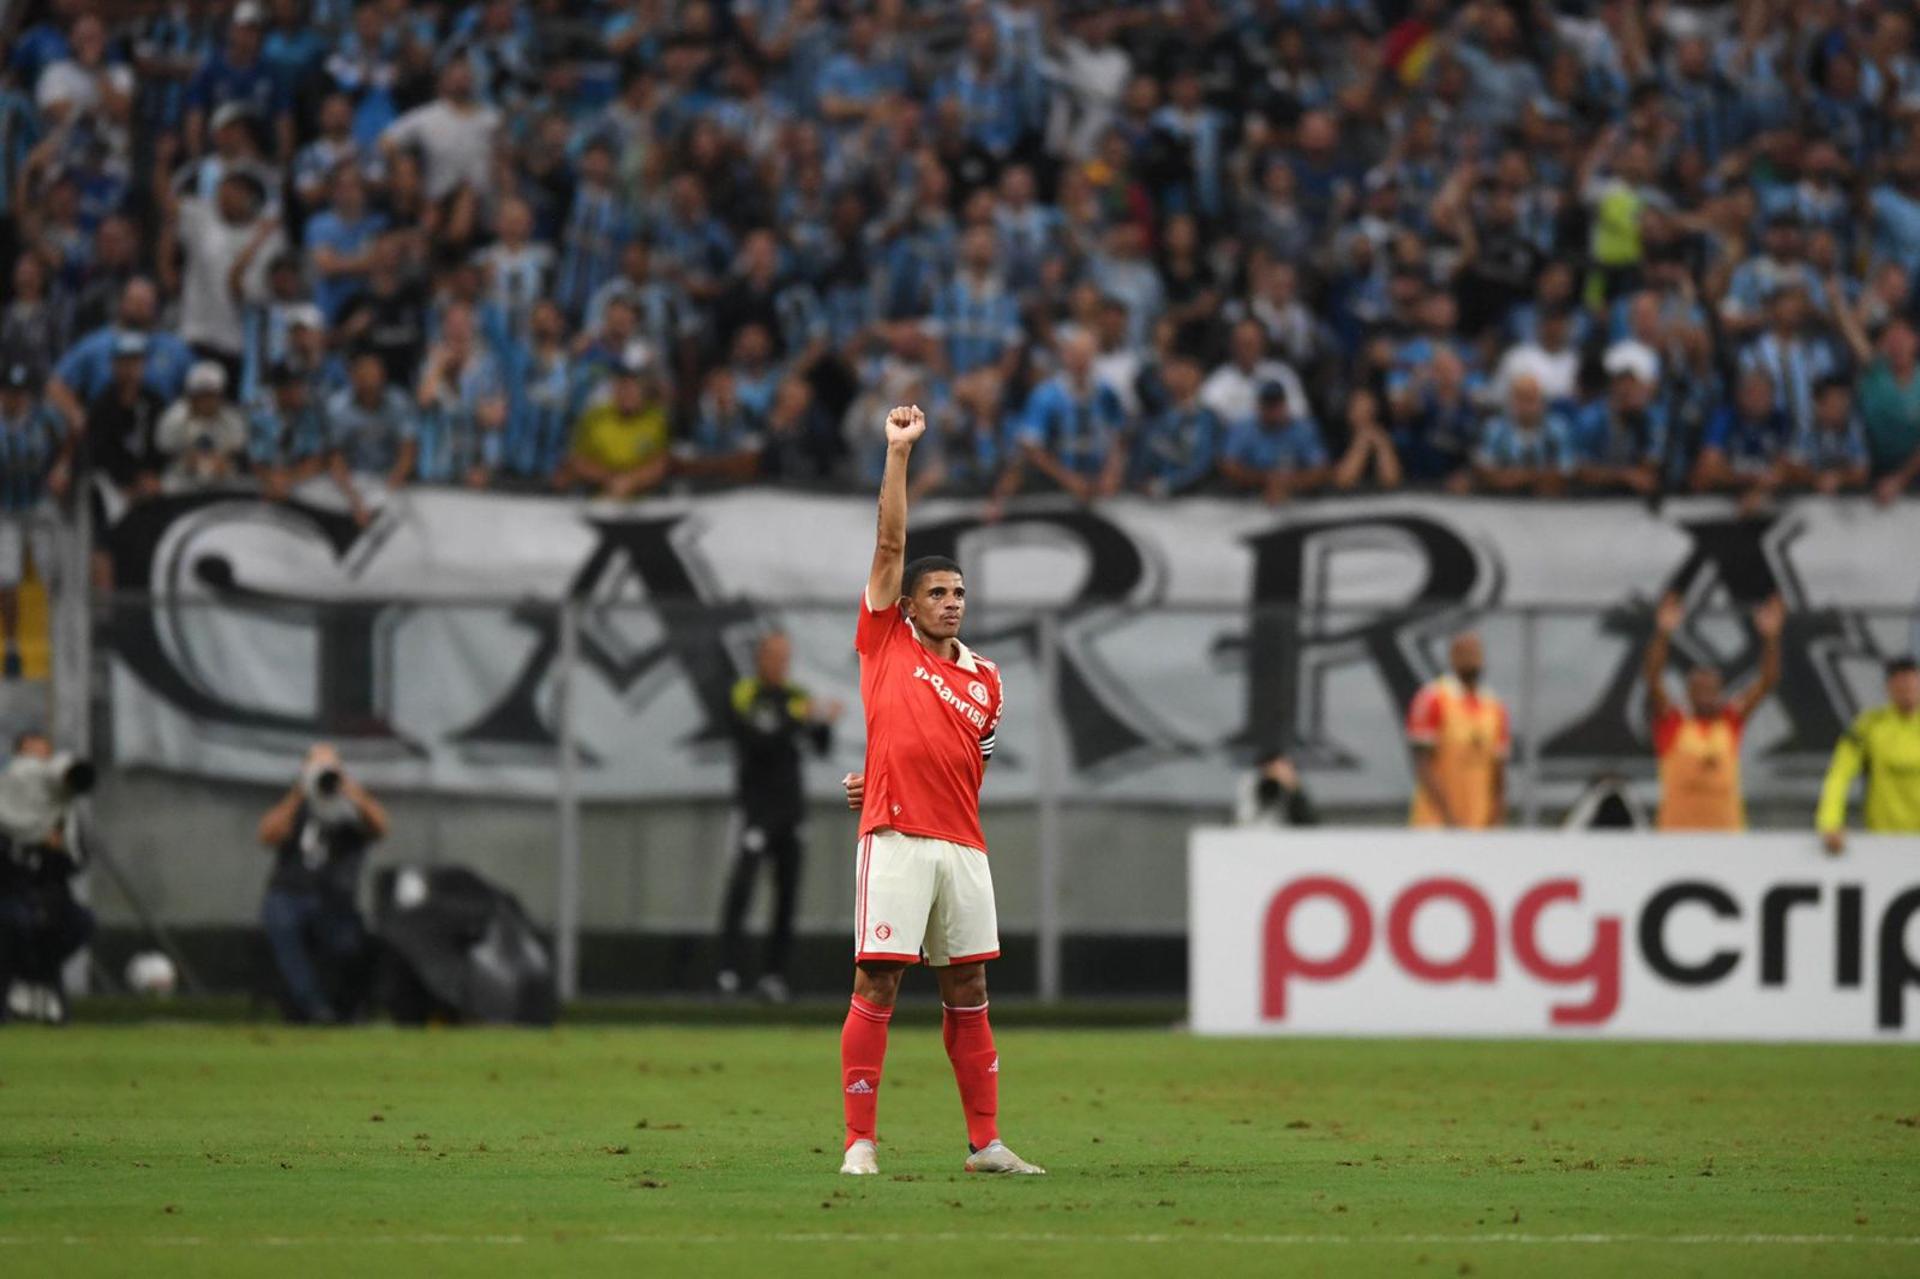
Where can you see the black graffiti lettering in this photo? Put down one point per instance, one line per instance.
(1773, 927)
(1846, 937)
(1653, 929)
(693, 630)
(1813, 719)
(345, 633)
(1278, 715)
(1898, 969)
(1729, 550)
(1733, 553)
(1090, 709)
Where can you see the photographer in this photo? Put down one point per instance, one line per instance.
(41, 925)
(1273, 795)
(319, 832)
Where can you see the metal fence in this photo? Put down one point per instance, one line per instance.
(535, 737)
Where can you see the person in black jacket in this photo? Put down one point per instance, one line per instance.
(119, 445)
(320, 832)
(771, 719)
(41, 923)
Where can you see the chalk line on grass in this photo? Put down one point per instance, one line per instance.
(1009, 1237)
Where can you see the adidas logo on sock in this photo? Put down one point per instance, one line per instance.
(995, 1068)
(860, 1087)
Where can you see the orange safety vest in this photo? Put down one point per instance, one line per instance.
(1699, 771)
(1467, 731)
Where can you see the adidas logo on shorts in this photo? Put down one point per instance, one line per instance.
(995, 1068)
(860, 1087)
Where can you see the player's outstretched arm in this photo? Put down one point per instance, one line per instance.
(1849, 757)
(1666, 620)
(904, 426)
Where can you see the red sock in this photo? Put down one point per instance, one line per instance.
(976, 1068)
(863, 1047)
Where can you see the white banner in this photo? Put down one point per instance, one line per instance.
(1754, 937)
(1191, 633)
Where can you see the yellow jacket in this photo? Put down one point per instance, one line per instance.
(1887, 744)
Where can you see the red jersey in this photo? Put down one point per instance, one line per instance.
(1700, 770)
(1467, 731)
(930, 729)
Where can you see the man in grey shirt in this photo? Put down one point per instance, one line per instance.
(454, 134)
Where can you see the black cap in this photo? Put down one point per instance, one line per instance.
(283, 373)
(1272, 393)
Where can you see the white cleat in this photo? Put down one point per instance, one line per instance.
(995, 1157)
(861, 1160)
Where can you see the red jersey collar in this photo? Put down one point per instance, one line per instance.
(965, 661)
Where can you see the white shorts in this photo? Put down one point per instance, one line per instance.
(19, 534)
(914, 894)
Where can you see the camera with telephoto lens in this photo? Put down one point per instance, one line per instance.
(323, 782)
(329, 809)
(79, 777)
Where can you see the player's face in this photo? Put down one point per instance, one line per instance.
(1468, 659)
(1704, 691)
(774, 659)
(1904, 691)
(938, 603)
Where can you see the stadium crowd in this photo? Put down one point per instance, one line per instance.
(1266, 246)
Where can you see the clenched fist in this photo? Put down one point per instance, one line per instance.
(905, 424)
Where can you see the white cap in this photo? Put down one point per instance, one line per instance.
(249, 13)
(1634, 357)
(228, 112)
(636, 358)
(207, 375)
(305, 315)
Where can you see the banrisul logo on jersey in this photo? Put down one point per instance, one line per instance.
(1739, 937)
(975, 715)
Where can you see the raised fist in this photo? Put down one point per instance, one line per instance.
(905, 424)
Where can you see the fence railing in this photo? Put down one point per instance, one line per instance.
(578, 703)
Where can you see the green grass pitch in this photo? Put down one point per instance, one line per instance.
(238, 1150)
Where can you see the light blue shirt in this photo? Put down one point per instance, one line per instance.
(1079, 427)
(87, 367)
(1548, 447)
(1294, 446)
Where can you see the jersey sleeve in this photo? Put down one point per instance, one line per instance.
(990, 737)
(871, 631)
(1423, 717)
(1849, 756)
(1665, 729)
